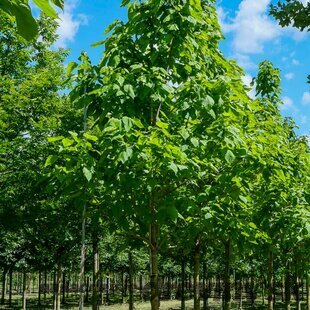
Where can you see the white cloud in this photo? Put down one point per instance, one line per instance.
(247, 80)
(69, 23)
(295, 62)
(305, 98)
(304, 120)
(288, 103)
(244, 61)
(252, 27)
(289, 75)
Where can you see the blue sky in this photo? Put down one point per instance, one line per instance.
(250, 37)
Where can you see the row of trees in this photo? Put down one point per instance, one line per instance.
(157, 148)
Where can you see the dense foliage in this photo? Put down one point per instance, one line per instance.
(157, 160)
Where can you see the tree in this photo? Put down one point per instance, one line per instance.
(20, 11)
(292, 12)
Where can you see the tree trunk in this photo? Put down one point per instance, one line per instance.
(45, 284)
(297, 286)
(24, 302)
(154, 230)
(4, 284)
(131, 299)
(196, 275)
(183, 285)
(227, 293)
(87, 290)
(63, 301)
(57, 279)
(82, 266)
(205, 289)
(270, 281)
(141, 287)
(288, 286)
(308, 290)
(95, 296)
(107, 290)
(10, 286)
(39, 288)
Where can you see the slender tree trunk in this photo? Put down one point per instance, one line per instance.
(288, 286)
(183, 285)
(270, 281)
(227, 293)
(24, 302)
(122, 287)
(10, 286)
(45, 284)
(4, 284)
(205, 289)
(196, 275)
(63, 301)
(141, 287)
(154, 230)
(39, 288)
(57, 279)
(87, 290)
(95, 296)
(297, 286)
(82, 266)
(308, 290)
(131, 299)
(107, 291)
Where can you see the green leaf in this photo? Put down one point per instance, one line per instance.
(26, 24)
(46, 8)
(252, 225)
(243, 199)
(51, 159)
(173, 167)
(59, 3)
(90, 137)
(129, 90)
(127, 123)
(172, 213)
(54, 139)
(88, 175)
(67, 142)
(208, 216)
(229, 157)
(195, 142)
(125, 2)
(70, 67)
(124, 156)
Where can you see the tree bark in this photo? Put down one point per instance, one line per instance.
(10, 286)
(196, 275)
(131, 299)
(288, 286)
(154, 230)
(4, 284)
(297, 286)
(24, 302)
(308, 290)
(82, 265)
(227, 293)
(183, 285)
(205, 289)
(39, 288)
(63, 301)
(270, 281)
(95, 295)
(57, 280)
(141, 287)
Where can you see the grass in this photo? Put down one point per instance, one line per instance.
(165, 305)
